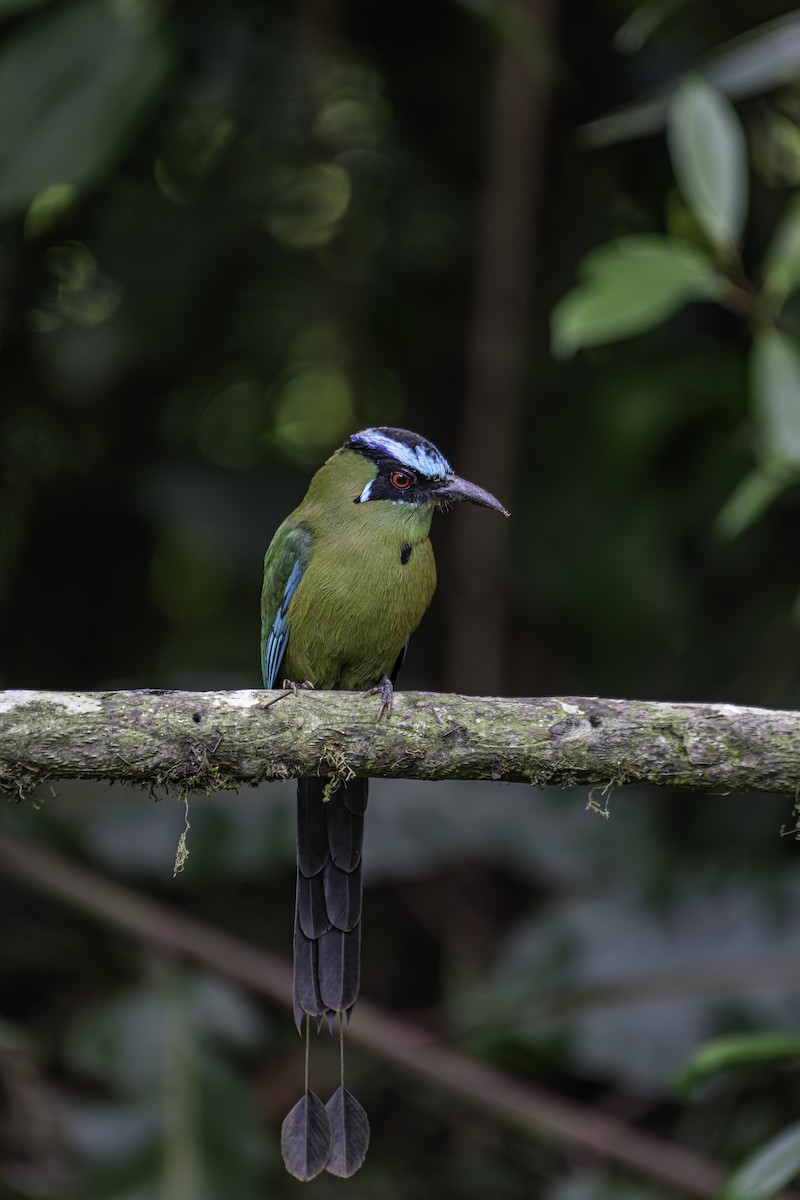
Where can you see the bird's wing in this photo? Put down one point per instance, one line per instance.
(285, 562)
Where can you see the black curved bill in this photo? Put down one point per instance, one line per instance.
(455, 488)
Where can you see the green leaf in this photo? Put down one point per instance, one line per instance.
(709, 156)
(768, 1170)
(630, 285)
(754, 62)
(749, 499)
(775, 373)
(743, 1050)
(78, 80)
(781, 266)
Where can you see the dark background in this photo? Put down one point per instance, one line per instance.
(294, 221)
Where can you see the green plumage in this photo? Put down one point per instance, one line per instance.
(357, 603)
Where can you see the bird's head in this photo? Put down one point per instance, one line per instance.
(410, 470)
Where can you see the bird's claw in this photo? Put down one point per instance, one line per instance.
(385, 689)
(291, 689)
(294, 688)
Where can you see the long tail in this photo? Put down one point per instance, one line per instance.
(327, 967)
(327, 924)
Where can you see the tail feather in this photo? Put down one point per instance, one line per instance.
(342, 891)
(354, 795)
(345, 834)
(312, 913)
(340, 968)
(327, 942)
(312, 837)
(307, 995)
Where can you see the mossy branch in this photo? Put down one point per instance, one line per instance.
(201, 741)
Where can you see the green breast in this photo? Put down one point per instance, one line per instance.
(364, 593)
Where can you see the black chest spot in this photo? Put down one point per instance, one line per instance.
(405, 553)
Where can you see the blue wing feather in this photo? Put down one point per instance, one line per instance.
(285, 562)
(278, 636)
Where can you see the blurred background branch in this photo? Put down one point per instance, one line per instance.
(412, 1050)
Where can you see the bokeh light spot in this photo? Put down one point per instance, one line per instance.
(352, 120)
(46, 208)
(308, 205)
(315, 410)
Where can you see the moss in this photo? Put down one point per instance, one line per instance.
(21, 783)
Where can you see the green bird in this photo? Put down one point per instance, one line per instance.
(347, 579)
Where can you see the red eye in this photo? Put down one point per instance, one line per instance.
(401, 480)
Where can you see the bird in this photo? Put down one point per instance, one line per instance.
(348, 577)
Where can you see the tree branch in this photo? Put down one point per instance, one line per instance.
(200, 741)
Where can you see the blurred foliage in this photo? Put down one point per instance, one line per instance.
(229, 236)
(635, 282)
(729, 1052)
(179, 1122)
(768, 1170)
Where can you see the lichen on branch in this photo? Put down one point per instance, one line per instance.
(205, 741)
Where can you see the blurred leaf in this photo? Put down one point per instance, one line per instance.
(765, 1172)
(745, 66)
(749, 500)
(709, 156)
(681, 223)
(774, 140)
(78, 80)
(781, 266)
(631, 284)
(744, 1050)
(776, 382)
(642, 23)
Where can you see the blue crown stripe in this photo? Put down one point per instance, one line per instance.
(424, 457)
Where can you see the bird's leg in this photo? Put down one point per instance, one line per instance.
(385, 689)
(292, 689)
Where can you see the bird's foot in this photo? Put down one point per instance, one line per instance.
(385, 689)
(294, 688)
(291, 689)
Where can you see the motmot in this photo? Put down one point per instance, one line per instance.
(348, 577)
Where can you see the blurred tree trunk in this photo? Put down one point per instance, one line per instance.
(476, 620)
